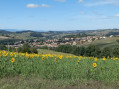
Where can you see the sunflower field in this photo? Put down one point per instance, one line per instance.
(59, 67)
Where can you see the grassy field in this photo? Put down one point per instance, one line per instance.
(56, 71)
(45, 51)
(108, 42)
(24, 36)
(21, 82)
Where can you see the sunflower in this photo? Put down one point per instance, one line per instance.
(11, 54)
(43, 58)
(55, 59)
(94, 65)
(104, 59)
(12, 60)
(78, 61)
(96, 59)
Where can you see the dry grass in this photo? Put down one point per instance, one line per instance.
(21, 82)
(3, 37)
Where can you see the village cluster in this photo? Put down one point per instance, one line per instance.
(56, 42)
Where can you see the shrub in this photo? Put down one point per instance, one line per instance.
(106, 52)
(116, 51)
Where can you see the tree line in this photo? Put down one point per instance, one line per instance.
(90, 51)
(9, 41)
(25, 48)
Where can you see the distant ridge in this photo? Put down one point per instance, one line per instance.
(25, 31)
(5, 31)
(21, 30)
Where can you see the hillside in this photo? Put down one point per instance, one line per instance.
(108, 42)
(29, 34)
(61, 35)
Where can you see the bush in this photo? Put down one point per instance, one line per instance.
(26, 48)
(106, 52)
(34, 50)
(116, 52)
(64, 48)
(82, 51)
(93, 50)
(3, 47)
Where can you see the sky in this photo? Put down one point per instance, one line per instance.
(59, 15)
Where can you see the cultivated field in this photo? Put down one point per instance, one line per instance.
(3, 37)
(108, 42)
(56, 71)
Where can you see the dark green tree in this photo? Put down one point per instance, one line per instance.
(3, 47)
(82, 51)
(115, 51)
(93, 50)
(106, 52)
(34, 50)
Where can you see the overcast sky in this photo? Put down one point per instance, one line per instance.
(59, 14)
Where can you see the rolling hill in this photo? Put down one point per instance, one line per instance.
(108, 42)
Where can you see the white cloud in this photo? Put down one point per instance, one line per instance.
(60, 0)
(44, 5)
(32, 6)
(98, 3)
(37, 6)
(103, 2)
(117, 15)
(80, 1)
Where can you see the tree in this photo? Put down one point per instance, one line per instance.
(74, 49)
(82, 50)
(34, 50)
(36, 34)
(12, 49)
(106, 52)
(3, 47)
(93, 50)
(26, 48)
(115, 51)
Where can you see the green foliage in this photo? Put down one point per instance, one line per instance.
(3, 47)
(82, 50)
(115, 51)
(77, 35)
(106, 52)
(26, 48)
(44, 47)
(62, 69)
(90, 51)
(9, 41)
(12, 49)
(93, 50)
(76, 51)
(64, 48)
(73, 49)
(36, 34)
(34, 50)
(112, 33)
